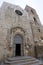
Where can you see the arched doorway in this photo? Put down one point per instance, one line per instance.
(17, 45)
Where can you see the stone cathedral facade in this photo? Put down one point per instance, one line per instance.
(21, 32)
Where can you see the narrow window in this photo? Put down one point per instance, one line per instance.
(32, 11)
(39, 30)
(35, 20)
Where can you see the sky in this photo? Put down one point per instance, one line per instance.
(36, 4)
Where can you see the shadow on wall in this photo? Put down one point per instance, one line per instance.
(39, 52)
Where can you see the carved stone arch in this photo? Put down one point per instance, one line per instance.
(17, 31)
(15, 28)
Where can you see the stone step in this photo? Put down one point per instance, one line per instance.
(20, 61)
(27, 60)
(19, 58)
(27, 63)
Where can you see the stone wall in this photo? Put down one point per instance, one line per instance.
(27, 24)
